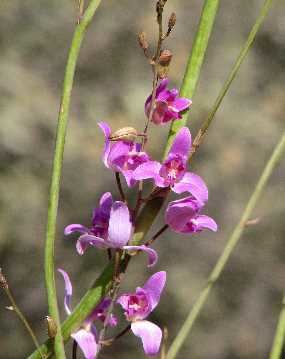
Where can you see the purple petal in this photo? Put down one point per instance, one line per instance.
(106, 202)
(67, 290)
(99, 313)
(152, 255)
(181, 144)
(105, 128)
(181, 104)
(178, 216)
(129, 178)
(148, 169)
(99, 310)
(159, 114)
(162, 85)
(118, 154)
(154, 286)
(160, 89)
(180, 212)
(123, 300)
(87, 240)
(204, 221)
(75, 228)
(87, 342)
(107, 133)
(150, 334)
(120, 226)
(194, 184)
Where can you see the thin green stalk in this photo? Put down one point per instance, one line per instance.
(148, 213)
(17, 310)
(228, 250)
(276, 351)
(251, 37)
(57, 168)
(195, 61)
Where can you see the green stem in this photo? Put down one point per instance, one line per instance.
(276, 351)
(251, 37)
(195, 62)
(17, 310)
(230, 246)
(57, 168)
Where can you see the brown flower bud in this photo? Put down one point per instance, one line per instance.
(3, 280)
(163, 63)
(142, 40)
(125, 133)
(171, 21)
(51, 327)
(165, 57)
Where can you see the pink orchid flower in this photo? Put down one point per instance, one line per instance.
(139, 305)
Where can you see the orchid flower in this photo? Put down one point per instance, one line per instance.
(139, 305)
(172, 172)
(100, 219)
(183, 216)
(119, 232)
(168, 106)
(122, 156)
(87, 337)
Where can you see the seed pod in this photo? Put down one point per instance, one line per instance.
(51, 327)
(125, 133)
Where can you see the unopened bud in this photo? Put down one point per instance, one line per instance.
(10, 307)
(125, 133)
(142, 40)
(3, 280)
(159, 7)
(171, 21)
(51, 327)
(163, 63)
(165, 57)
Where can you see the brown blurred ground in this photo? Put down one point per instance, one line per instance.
(112, 82)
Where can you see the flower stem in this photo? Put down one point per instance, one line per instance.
(229, 248)
(57, 169)
(120, 188)
(276, 351)
(16, 309)
(119, 335)
(155, 69)
(114, 292)
(157, 234)
(242, 55)
(74, 349)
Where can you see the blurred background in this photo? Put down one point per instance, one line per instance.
(112, 82)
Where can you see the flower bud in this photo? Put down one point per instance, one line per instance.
(51, 327)
(163, 63)
(125, 133)
(165, 57)
(171, 21)
(142, 40)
